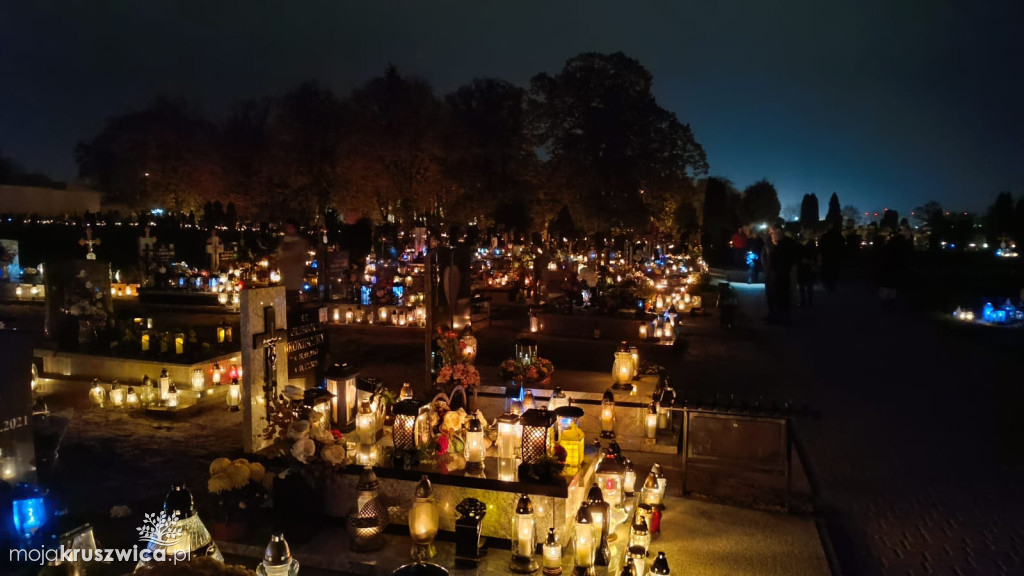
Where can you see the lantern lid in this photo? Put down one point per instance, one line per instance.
(652, 480)
(524, 506)
(628, 570)
(424, 489)
(637, 552)
(340, 372)
(609, 465)
(614, 449)
(541, 417)
(623, 347)
(552, 538)
(277, 553)
(660, 564)
(172, 389)
(557, 392)
(471, 508)
(608, 396)
(516, 407)
(640, 526)
(656, 468)
(468, 330)
(594, 495)
(313, 396)
(629, 465)
(583, 515)
(131, 389)
(407, 407)
(146, 380)
(367, 384)
(114, 385)
(508, 418)
(574, 412)
(179, 501)
(474, 425)
(526, 342)
(163, 373)
(367, 480)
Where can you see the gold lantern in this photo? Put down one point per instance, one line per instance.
(552, 553)
(474, 445)
(571, 438)
(145, 340)
(622, 368)
(468, 344)
(525, 541)
(538, 434)
(234, 395)
(97, 394)
(423, 521)
(608, 414)
(528, 401)
(584, 543)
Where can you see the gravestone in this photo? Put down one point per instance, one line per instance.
(307, 343)
(89, 241)
(77, 300)
(214, 248)
(147, 248)
(264, 324)
(17, 450)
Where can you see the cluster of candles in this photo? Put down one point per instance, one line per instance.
(29, 291)
(383, 316)
(163, 391)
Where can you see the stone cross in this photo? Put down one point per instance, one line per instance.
(89, 241)
(264, 353)
(146, 245)
(214, 248)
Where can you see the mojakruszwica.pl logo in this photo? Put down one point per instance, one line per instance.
(160, 532)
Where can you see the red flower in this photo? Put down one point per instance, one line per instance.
(442, 445)
(336, 434)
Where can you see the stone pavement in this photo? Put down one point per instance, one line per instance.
(914, 454)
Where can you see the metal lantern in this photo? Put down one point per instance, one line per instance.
(651, 423)
(234, 395)
(340, 380)
(165, 384)
(538, 434)
(468, 527)
(474, 445)
(198, 379)
(610, 474)
(584, 543)
(116, 395)
(370, 517)
(558, 399)
(552, 555)
(172, 396)
(622, 368)
(406, 392)
(277, 558)
(97, 394)
(649, 493)
(423, 521)
(600, 515)
(366, 424)
(194, 540)
(524, 542)
(660, 565)
(636, 556)
(131, 399)
(571, 438)
(608, 415)
(468, 344)
(639, 534)
(404, 430)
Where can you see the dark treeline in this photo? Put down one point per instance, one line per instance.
(591, 138)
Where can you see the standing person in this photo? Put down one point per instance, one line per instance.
(779, 255)
(739, 247)
(832, 249)
(291, 260)
(755, 246)
(806, 271)
(895, 260)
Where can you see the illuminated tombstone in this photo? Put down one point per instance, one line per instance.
(116, 395)
(474, 446)
(234, 395)
(194, 539)
(198, 380)
(468, 344)
(367, 522)
(404, 429)
(651, 423)
(552, 555)
(622, 368)
(608, 415)
(97, 394)
(584, 545)
(131, 399)
(538, 434)
(525, 543)
(340, 380)
(600, 514)
(510, 435)
(557, 399)
(571, 437)
(423, 521)
(277, 558)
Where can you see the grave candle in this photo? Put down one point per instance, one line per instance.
(643, 331)
(234, 395)
(608, 415)
(165, 384)
(406, 392)
(552, 552)
(534, 323)
(215, 374)
(172, 396)
(557, 399)
(660, 565)
(526, 541)
(634, 354)
(629, 479)
(622, 367)
(474, 445)
(179, 343)
(116, 395)
(423, 521)
(509, 435)
(507, 469)
(649, 493)
(528, 401)
(198, 379)
(639, 535)
(366, 424)
(637, 557)
(583, 554)
(600, 514)
(350, 316)
(97, 395)
(651, 424)
(277, 558)
(131, 399)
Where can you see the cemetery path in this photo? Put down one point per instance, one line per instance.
(914, 450)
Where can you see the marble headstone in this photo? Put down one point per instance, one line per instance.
(255, 306)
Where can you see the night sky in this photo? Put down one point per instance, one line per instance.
(887, 102)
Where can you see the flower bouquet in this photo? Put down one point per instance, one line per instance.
(235, 489)
(303, 438)
(537, 371)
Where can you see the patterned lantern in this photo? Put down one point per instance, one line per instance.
(622, 368)
(367, 522)
(404, 429)
(538, 434)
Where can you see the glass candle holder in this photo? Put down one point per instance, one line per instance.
(552, 552)
(525, 540)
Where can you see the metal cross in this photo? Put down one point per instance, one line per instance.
(89, 241)
(268, 341)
